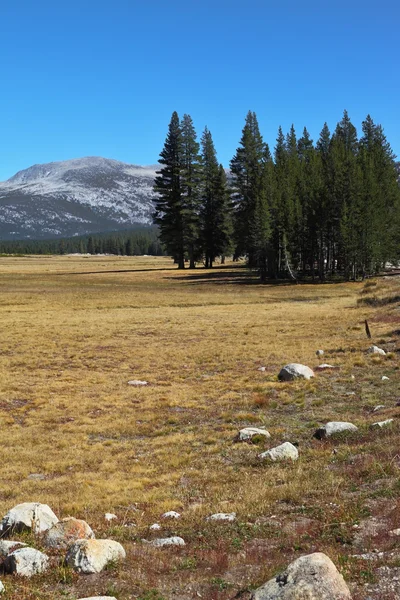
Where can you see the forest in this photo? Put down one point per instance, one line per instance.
(319, 210)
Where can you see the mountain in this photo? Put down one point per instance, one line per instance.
(74, 197)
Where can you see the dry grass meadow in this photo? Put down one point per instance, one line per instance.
(74, 330)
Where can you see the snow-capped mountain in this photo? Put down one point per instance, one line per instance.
(75, 197)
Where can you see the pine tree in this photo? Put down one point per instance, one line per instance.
(169, 210)
(190, 188)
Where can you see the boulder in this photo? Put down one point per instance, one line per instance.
(381, 424)
(170, 541)
(91, 556)
(8, 546)
(26, 562)
(310, 577)
(67, 531)
(294, 371)
(376, 350)
(222, 517)
(29, 515)
(332, 428)
(246, 434)
(171, 514)
(283, 452)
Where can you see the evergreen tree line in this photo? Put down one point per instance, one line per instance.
(305, 209)
(132, 242)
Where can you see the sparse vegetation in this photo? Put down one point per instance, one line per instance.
(74, 331)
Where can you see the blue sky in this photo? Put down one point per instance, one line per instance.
(94, 78)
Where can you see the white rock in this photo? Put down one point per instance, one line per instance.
(155, 527)
(310, 577)
(222, 517)
(2, 588)
(170, 541)
(295, 370)
(29, 515)
(325, 367)
(171, 514)
(91, 556)
(334, 427)
(247, 433)
(320, 353)
(395, 532)
(67, 531)
(283, 452)
(384, 378)
(7, 546)
(383, 423)
(262, 369)
(376, 350)
(379, 407)
(110, 517)
(26, 562)
(137, 382)
(99, 598)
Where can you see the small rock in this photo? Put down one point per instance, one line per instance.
(67, 531)
(110, 517)
(379, 407)
(395, 532)
(247, 433)
(326, 367)
(352, 377)
(320, 353)
(99, 598)
(295, 370)
(2, 588)
(37, 476)
(91, 556)
(384, 378)
(29, 515)
(137, 382)
(8, 546)
(382, 423)
(222, 517)
(26, 562)
(333, 428)
(155, 527)
(283, 452)
(262, 369)
(312, 577)
(376, 350)
(170, 541)
(171, 514)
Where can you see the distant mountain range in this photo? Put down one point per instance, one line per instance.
(74, 197)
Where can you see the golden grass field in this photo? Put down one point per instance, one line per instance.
(74, 330)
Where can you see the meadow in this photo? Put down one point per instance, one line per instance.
(73, 332)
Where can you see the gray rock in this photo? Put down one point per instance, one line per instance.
(222, 517)
(376, 350)
(379, 407)
(170, 541)
(248, 433)
(332, 428)
(26, 562)
(155, 527)
(67, 531)
(171, 514)
(8, 546)
(29, 515)
(91, 556)
(320, 353)
(295, 370)
(310, 577)
(383, 423)
(283, 452)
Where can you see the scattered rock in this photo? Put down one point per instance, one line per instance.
(67, 531)
(312, 577)
(384, 378)
(37, 476)
(262, 369)
(2, 588)
(91, 556)
(283, 452)
(170, 541)
(333, 428)
(110, 517)
(137, 382)
(155, 527)
(171, 514)
(326, 367)
(379, 407)
(8, 546)
(295, 370)
(26, 562)
(29, 515)
(382, 423)
(248, 433)
(99, 598)
(395, 532)
(320, 353)
(376, 350)
(222, 517)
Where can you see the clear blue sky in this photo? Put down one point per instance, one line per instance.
(95, 78)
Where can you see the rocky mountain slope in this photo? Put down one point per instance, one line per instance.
(75, 197)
